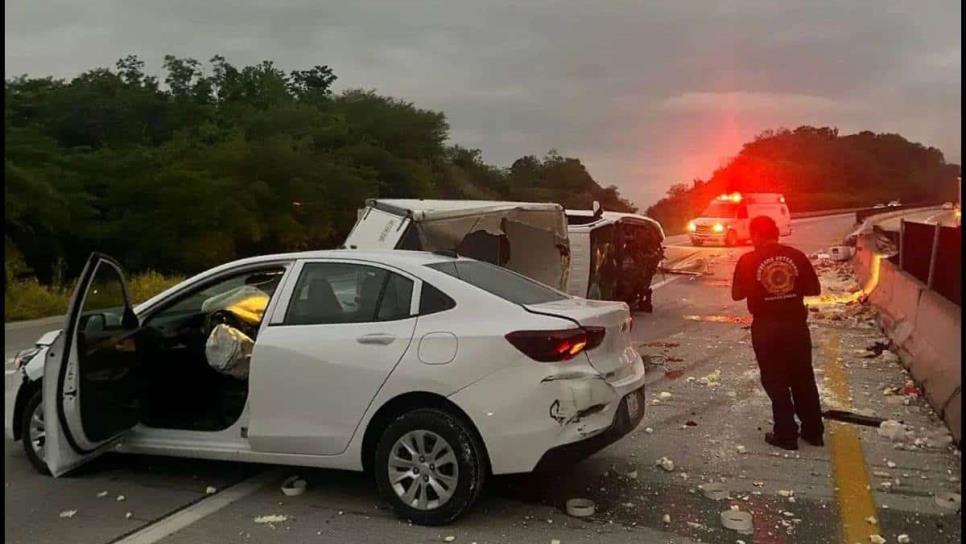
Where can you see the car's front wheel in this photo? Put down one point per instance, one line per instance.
(33, 432)
(430, 466)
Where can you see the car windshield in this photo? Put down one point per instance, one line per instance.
(721, 209)
(499, 281)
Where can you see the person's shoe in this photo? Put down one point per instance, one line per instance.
(785, 444)
(816, 441)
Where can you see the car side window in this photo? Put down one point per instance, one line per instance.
(432, 300)
(331, 293)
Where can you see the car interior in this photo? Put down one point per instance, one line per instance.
(179, 389)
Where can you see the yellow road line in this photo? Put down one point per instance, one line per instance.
(848, 460)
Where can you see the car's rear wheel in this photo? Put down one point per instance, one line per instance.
(33, 432)
(430, 466)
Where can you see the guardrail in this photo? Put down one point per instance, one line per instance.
(864, 213)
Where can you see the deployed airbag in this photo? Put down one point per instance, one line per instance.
(228, 351)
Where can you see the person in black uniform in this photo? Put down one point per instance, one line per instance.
(774, 278)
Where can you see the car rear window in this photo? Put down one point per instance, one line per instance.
(499, 281)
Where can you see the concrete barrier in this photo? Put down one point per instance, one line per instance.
(924, 325)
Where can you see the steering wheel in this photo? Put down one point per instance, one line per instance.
(225, 317)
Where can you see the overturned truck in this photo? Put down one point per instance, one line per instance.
(529, 238)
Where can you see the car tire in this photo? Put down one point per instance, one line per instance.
(34, 404)
(731, 239)
(468, 461)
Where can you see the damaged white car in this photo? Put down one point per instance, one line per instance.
(428, 370)
(526, 237)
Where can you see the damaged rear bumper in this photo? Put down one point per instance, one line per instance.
(525, 411)
(624, 422)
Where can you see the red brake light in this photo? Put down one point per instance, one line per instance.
(553, 346)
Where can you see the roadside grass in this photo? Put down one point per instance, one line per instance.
(27, 298)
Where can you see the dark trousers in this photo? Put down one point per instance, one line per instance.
(784, 351)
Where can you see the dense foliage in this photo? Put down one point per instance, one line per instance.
(206, 166)
(818, 169)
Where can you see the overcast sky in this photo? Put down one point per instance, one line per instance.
(645, 93)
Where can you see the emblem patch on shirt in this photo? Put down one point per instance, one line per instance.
(777, 275)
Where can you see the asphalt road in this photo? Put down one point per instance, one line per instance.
(711, 427)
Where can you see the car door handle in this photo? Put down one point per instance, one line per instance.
(382, 339)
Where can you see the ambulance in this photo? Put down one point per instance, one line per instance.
(726, 219)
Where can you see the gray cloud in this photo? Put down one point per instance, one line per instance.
(646, 93)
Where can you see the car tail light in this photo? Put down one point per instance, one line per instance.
(554, 346)
(595, 335)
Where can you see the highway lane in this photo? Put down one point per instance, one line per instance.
(700, 427)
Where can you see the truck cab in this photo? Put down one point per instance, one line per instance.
(727, 218)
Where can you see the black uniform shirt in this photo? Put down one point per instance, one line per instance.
(774, 278)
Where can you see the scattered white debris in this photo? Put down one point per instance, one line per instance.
(121, 498)
(666, 519)
(890, 464)
(684, 475)
(738, 521)
(648, 430)
(740, 448)
(785, 492)
(665, 463)
(664, 395)
(871, 520)
(293, 486)
(714, 491)
(210, 490)
(450, 538)
(758, 484)
(903, 539)
(882, 474)
(128, 515)
(891, 429)
(102, 494)
(876, 539)
(580, 508)
(949, 501)
(68, 514)
(272, 518)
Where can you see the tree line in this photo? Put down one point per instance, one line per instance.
(215, 162)
(818, 169)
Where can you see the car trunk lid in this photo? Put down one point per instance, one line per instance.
(615, 353)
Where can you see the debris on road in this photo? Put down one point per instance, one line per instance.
(666, 519)
(128, 515)
(121, 498)
(450, 538)
(67, 514)
(664, 395)
(949, 501)
(666, 464)
(648, 430)
(876, 539)
(102, 494)
(714, 491)
(271, 519)
(903, 539)
(580, 508)
(210, 490)
(738, 521)
(294, 486)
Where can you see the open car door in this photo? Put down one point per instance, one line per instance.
(90, 389)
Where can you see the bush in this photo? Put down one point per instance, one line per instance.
(27, 298)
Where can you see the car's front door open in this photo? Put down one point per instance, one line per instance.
(90, 389)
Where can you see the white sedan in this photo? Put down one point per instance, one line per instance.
(429, 370)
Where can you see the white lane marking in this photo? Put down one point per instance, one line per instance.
(199, 510)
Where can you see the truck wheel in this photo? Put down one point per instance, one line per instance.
(429, 466)
(33, 432)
